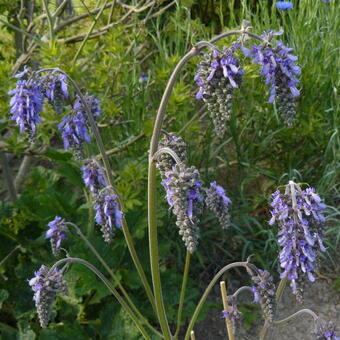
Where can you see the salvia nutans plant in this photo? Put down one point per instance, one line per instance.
(297, 212)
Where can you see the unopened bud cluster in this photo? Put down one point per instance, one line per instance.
(218, 202)
(184, 195)
(264, 293)
(219, 73)
(46, 285)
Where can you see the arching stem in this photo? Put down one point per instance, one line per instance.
(109, 286)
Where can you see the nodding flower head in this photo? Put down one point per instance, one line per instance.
(57, 233)
(46, 285)
(285, 5)
(165, 161)
(74, 131)
(325, 331)
(93, 176)
(281, 73)
(108, 213)
(264, 293)
(299, 215)
(55, 89)
(91, 102)
(218, 202)
(232, 314)
(184, 195)
(26, 103)
(219, 73)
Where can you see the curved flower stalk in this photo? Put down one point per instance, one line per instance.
(184, 195)
(218, 202)
(166, 162)
(219, 73)
(299, 215)
(57, 233)
(279, 68)
(108, 213)
(47, 284)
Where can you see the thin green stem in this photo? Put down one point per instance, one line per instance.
(301, 311)
(109, 286)
(49, 19)
(166, 151)
(114, 277)
(207, 291)
(280, 289)
(183, 290)
(108, 171)
(89, 33)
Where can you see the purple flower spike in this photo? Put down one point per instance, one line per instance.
(93, 176)
(299, 215)
(184, 195)
(326, 331)
(26, 104)
(57, 232)
(47, 285)
(218, 75)
(218, 202)
(233, 314)
(108, 213)
(280, 71)
(285, 5)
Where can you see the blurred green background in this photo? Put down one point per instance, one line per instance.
(108, 47)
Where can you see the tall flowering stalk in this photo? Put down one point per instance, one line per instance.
(299, 215)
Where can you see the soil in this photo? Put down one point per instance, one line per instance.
(320, 296)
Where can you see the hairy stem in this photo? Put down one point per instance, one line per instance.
(183, 290)
(166, 151)
(109, 286)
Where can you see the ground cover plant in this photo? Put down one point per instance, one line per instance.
(222, 67)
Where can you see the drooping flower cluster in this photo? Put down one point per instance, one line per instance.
(91, 102)
(108, 213)
(218, 202)
(280, 71)
(219, 73)
(26, 104)
(184, 195)
(55, 89)
(165, 162)
(47, 285)
(74, 131)
(93, 176)
(325, 331)
(299, 214)
(233, 314)
(57, 232)
(264, 293)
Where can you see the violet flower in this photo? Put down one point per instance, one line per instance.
(26, 104)
(325, 331)
(279, 68)
(285, 5)
(108, 213)
(299, 215)
(57, 233)
(233, 314)
(218, 202)
(93, 176)
(218, 74)
(184, 195)
(47, 285)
